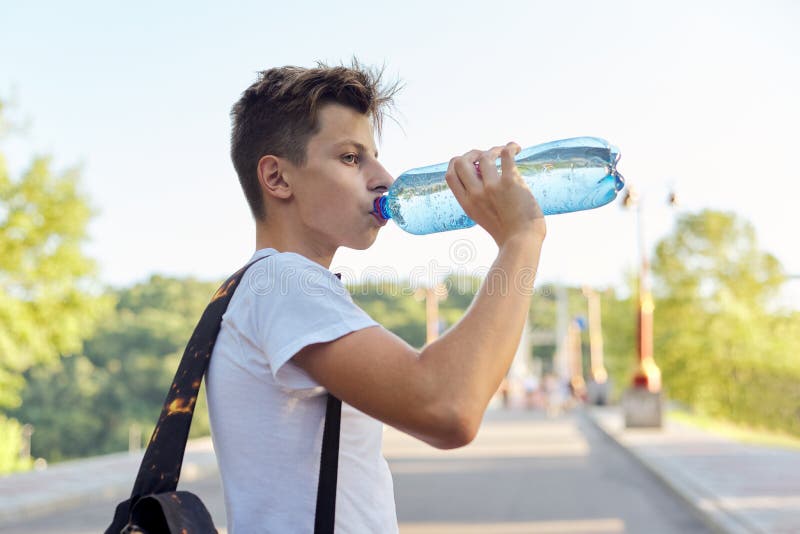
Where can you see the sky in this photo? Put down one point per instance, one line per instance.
(700, 97)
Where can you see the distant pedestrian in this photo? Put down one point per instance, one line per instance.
(531, 386)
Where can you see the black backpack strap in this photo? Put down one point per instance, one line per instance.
(325, 517)
(161, 465)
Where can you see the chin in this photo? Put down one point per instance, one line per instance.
(363, 242)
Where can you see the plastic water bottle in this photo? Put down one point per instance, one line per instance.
(564, 176)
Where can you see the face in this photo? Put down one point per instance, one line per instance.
(334, 191)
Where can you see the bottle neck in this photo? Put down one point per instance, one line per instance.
(381, 208)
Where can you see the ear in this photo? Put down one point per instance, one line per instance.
(270, 175)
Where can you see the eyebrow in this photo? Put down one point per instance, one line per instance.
(359, 146)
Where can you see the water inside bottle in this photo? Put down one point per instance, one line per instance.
(564, 176)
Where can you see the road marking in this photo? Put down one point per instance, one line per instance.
(581, 526)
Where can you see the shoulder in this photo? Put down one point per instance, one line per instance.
(284, 273)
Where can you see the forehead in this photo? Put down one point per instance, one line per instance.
(339, 123)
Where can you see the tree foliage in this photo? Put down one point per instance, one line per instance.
(722, 345)
(393, 306)
(86, 404)
(401, 309)
(10, 446)
(619, 316)
(49, 302)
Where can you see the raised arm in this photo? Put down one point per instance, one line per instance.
(439, 394)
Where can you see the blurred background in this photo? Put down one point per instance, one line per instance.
(120, 211)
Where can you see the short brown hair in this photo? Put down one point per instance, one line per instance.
(278, 114)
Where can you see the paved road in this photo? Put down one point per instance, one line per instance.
(524, 473)
(527, 473)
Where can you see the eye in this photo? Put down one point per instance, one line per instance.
(351, 159)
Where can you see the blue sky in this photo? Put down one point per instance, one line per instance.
(701, 97)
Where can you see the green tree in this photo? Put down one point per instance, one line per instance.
(395, 307)
(401, 308)
(49, 302)
(716, 323)
(86, 404)
(10, 446)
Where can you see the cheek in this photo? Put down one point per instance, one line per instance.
(342, 203)
(334, 212)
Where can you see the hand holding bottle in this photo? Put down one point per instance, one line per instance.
(500, 202)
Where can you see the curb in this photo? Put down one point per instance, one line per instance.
(69, 484)
(702, 502)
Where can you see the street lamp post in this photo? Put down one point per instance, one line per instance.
(25, 449)
(642, 403)
(432, 296)
(598, 387)
(647, 375)
(576, 382)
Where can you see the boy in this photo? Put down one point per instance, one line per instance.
(303, 147)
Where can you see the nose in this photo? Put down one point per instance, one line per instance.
(380, 179)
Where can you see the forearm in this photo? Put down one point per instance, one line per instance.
(470, 360)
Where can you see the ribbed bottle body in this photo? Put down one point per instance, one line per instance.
(565, 176)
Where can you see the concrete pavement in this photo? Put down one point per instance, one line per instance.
(739, 488)
(74, 483)
(526, 472)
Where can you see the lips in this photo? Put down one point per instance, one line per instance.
(380, 220)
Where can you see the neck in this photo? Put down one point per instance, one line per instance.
(271, 234)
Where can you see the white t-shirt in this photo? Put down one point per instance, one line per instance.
(267, 415)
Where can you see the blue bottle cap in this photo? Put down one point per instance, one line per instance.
(380, 207)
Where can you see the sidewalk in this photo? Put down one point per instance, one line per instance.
(739, 488)
(61, 486)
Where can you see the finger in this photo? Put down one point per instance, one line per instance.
(455, 184)
(507, 163)
(464, 168)
(473, 156)
(488, 165)
(477, 161)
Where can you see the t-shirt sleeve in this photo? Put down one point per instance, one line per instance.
(300, 304)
